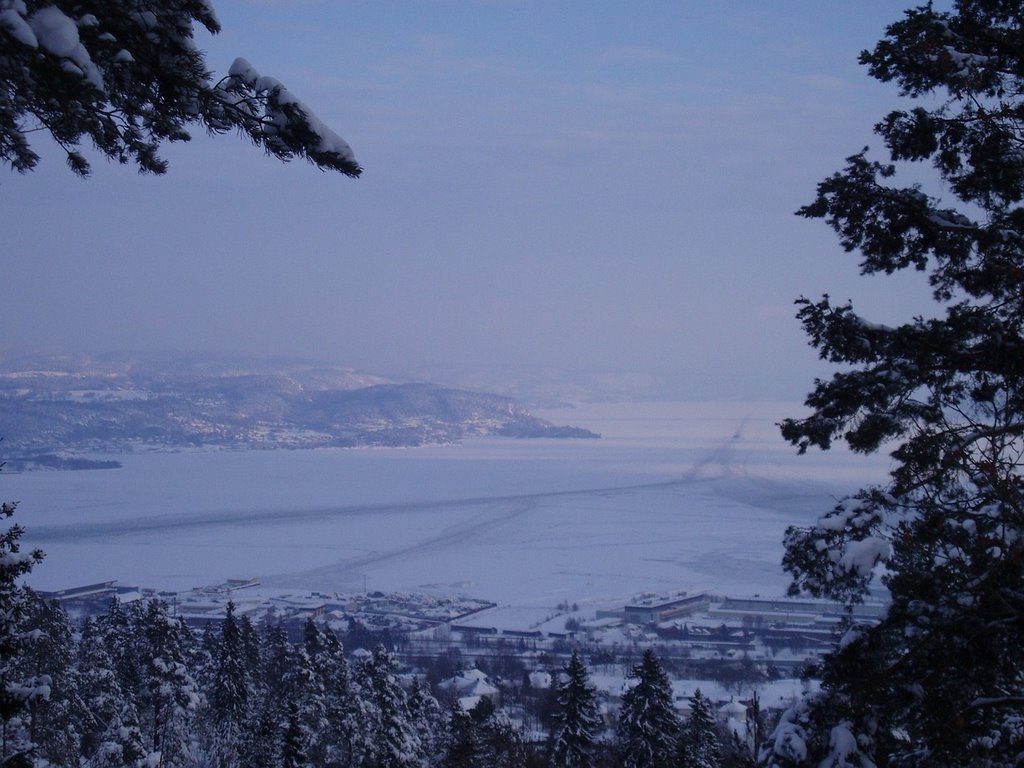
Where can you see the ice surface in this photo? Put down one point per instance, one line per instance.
(673, 496)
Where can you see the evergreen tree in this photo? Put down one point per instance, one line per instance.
(126, 76)
(699, 746)
(277, 658)
(579, 723)
(273, 703)
(119, 630)
(940, 681)
(648, 728)
(428, 721)
(110, 734)
(306, 684)
(334, 671)
(293, 750)
(263, 743)
(387, 737)
(502, 744)
(18, 691)
(250, 640)
(55, 721)
(482, 738)
(319, 682)
(462, 749)
(169, 695)
(230, 693)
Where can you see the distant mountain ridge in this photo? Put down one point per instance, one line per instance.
(117, 404)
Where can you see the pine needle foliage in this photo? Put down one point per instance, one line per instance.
(940, 681)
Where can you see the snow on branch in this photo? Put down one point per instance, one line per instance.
(128, 77)
(286, 126)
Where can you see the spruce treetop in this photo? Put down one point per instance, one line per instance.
(648, 729)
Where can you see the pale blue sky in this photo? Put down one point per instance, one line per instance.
(577, 191)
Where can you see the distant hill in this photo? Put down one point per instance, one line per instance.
(116, 404)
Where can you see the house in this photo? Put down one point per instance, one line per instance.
(540, 680)
(469, 687)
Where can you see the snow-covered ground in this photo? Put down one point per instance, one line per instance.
(674, 495)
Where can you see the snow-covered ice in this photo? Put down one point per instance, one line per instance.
(673, 496)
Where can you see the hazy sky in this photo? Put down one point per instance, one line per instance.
(586, 190)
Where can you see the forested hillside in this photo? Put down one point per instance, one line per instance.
(120, 404)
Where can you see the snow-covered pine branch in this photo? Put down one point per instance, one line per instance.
(126, 76)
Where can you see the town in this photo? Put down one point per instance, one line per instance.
(741, 652)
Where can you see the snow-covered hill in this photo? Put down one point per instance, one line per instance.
(120, 403)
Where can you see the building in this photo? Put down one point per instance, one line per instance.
(794, 611)
(658, 608)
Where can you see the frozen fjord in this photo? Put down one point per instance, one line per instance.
(674, 495)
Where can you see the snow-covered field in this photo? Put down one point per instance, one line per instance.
(673, 496)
